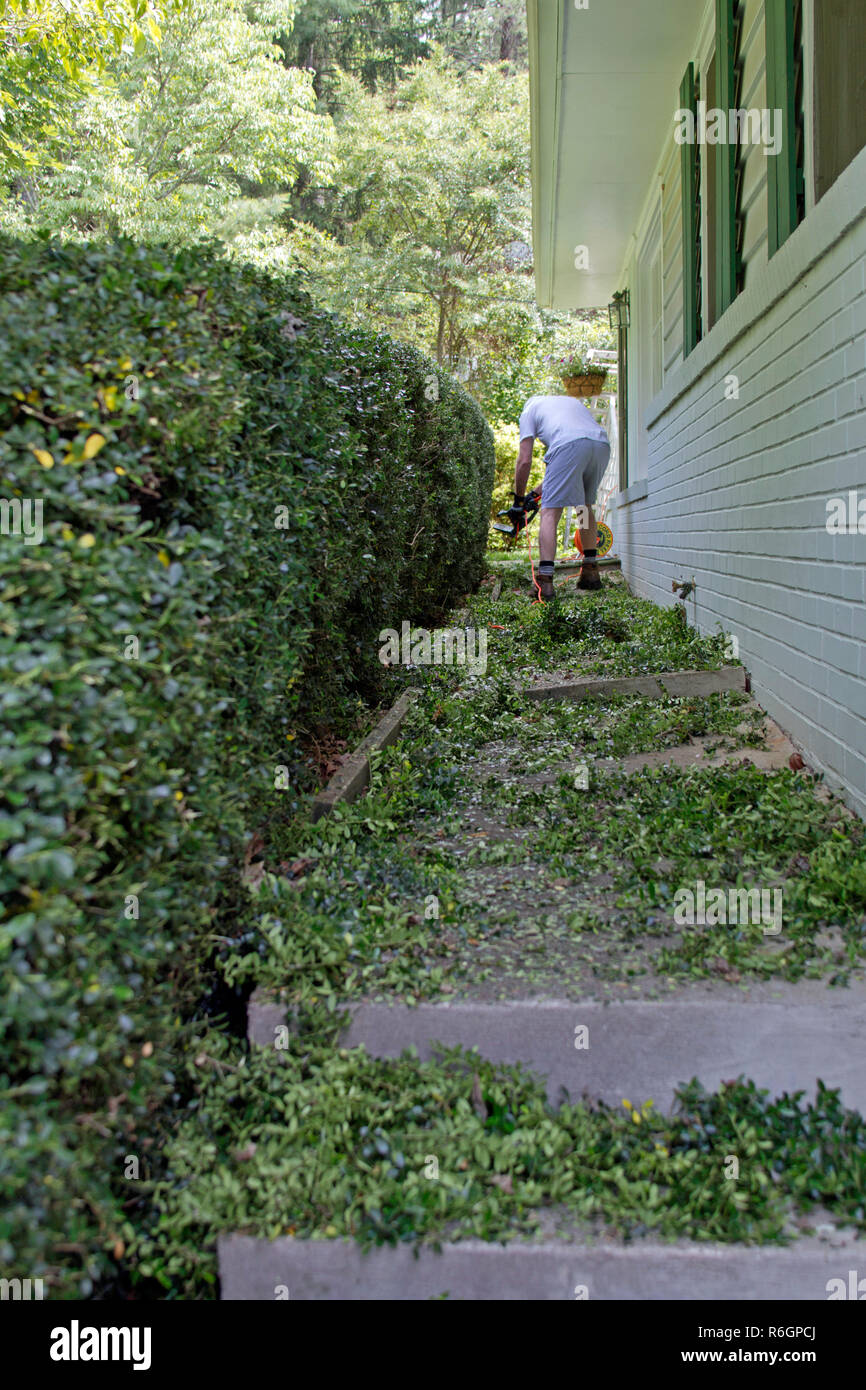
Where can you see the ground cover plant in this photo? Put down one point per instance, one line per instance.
(475, 846)
(418, 891)
(614, 634)
(319, 1142)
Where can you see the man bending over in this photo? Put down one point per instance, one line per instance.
(577, 454)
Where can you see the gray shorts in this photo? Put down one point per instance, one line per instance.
(573, 473)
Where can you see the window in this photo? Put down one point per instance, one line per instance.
(620, 311)
(728, 224)
(840, 88)
(622, 399)
(711, 205)
(691, 194)
(786, 183)
(656, 322)
(712, 177)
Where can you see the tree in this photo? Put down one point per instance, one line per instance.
(373, 40)
(425, 230)
(474, 32)
(409, 208)
(378, 41)
(51, 54)
(178, 128)
(433, 190)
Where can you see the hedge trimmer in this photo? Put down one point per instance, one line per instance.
(520, 513)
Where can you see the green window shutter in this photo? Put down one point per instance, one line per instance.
(691, 193)
(727, 268)
(785, 175)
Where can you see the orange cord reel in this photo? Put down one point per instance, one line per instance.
(605, 539)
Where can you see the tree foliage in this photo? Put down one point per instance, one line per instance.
(431, 202)
(373, 40)
(377, 41)
(483, 31)
(381, 146)
(180, 125)
(50, 51)
(427, 226)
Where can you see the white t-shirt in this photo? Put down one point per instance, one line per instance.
(558, 420)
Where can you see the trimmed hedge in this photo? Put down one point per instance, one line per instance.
(164, 647)
(506, 441)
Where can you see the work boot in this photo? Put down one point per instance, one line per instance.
(545, 587)
(589, 576)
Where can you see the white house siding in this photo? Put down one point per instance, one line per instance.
(737, 489)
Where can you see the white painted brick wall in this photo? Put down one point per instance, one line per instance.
(737, 494)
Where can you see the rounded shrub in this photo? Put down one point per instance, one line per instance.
(213, 498)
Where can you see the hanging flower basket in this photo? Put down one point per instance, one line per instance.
(587, 384)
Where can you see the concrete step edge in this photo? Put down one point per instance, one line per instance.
(550, 1270)
(696, 683)
(353, 776)
(633, 1049)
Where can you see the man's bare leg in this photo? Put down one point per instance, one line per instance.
(589, 576)
(589, 537)
(547, 533)
(547, 549)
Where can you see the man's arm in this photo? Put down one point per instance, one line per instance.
(524, 465)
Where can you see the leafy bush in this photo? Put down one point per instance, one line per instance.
(236, 495)
(506, 440)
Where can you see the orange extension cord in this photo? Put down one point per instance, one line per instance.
(532, 567)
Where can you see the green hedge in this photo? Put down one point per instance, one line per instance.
(164, 648)
(506, 441)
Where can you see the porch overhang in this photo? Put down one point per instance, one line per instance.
(604, 85)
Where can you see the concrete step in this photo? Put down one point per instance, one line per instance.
(783, 1037)
(325, 1270)
(571, 566)
(353, 776)
(688, 683)
(605, 562)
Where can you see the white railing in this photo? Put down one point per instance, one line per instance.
(609, 485)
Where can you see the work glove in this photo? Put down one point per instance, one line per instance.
(517, 512)
(520, 512)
